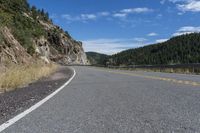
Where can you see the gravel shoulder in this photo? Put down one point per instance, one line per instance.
(15, 102)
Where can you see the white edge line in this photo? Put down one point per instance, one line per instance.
(26, 112)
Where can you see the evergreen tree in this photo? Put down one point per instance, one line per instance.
(178, 50)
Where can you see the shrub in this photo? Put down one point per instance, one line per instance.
(31, 49)
(5, 18)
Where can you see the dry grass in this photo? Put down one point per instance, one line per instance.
(21, 75)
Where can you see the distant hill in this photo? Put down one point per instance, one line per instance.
(182, 49)
(96, 58)
(178, 50)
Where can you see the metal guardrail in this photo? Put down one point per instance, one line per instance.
(197, 65)
(177, 68)
(160, 66)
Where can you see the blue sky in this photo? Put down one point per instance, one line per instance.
(110, 26)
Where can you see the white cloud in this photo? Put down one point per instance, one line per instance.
(70, 18)
(111, 46)
(82, 17)
(136, 10)
(187, 30)
(174, 1)
(186, 5)
(88, 16)
(138, 39)
(161, 40)
(152, 34)
(120, 15)
(193, 6)
(180, 13)
(103, 13)
(124, 13)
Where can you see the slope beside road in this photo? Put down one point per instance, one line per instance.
(102, 100)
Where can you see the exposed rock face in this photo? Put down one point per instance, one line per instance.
(58, 46)
(11, 51)
(27, 34)
(42, 49)
(61, 47)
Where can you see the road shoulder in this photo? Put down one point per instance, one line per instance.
(15, 102)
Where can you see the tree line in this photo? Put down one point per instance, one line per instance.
(184, 49)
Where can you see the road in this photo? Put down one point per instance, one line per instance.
(115, 101)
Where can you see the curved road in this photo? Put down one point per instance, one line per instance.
(114, 101)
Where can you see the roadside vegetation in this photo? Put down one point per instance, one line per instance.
(17, 76)
(23, 20)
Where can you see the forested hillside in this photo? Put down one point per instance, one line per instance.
(178, 50)
(96, 58)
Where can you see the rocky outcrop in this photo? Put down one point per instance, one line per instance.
(42, 49)
(11, 52)
(27, 34)
(58, 46)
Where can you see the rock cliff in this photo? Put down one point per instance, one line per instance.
(27, 34)
(11, 50)
(60, 47)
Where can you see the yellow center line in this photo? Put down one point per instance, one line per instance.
(183, 82)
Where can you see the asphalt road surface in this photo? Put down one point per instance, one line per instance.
(114, 101)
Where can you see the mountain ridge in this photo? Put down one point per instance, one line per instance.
(184, 49)
(96, 58)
